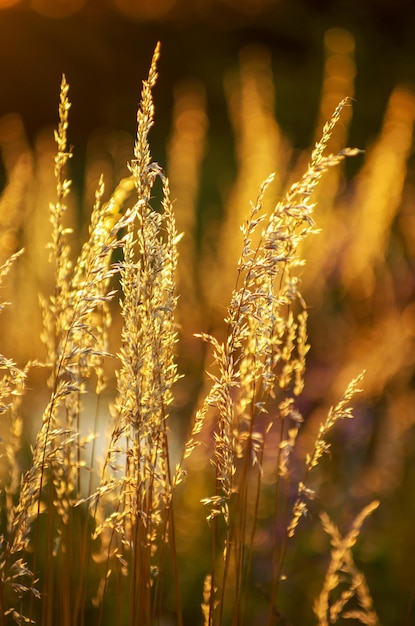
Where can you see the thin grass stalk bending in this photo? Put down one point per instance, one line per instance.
(342, 570)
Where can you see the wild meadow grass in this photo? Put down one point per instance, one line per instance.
(117, 533)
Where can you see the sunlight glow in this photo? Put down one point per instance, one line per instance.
(5, 4)
(57, 8)
(145, 9)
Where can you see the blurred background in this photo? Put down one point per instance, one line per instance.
(244, 89)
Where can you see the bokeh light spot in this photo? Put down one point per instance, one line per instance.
(57, 8)
(142, 10)
(339, 40)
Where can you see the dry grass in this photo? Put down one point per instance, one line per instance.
(96, 537)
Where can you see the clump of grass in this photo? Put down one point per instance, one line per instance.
(343, 575)
(261, 366)
(106, 551)
(137, 478)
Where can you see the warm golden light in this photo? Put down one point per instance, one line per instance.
(284, 295)
(187, 147)
(5, 4)
(338, 84)
(144, 9)
(339, 41)
(379, 192)
(260, 148)
(339, 75)
(57, 8)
